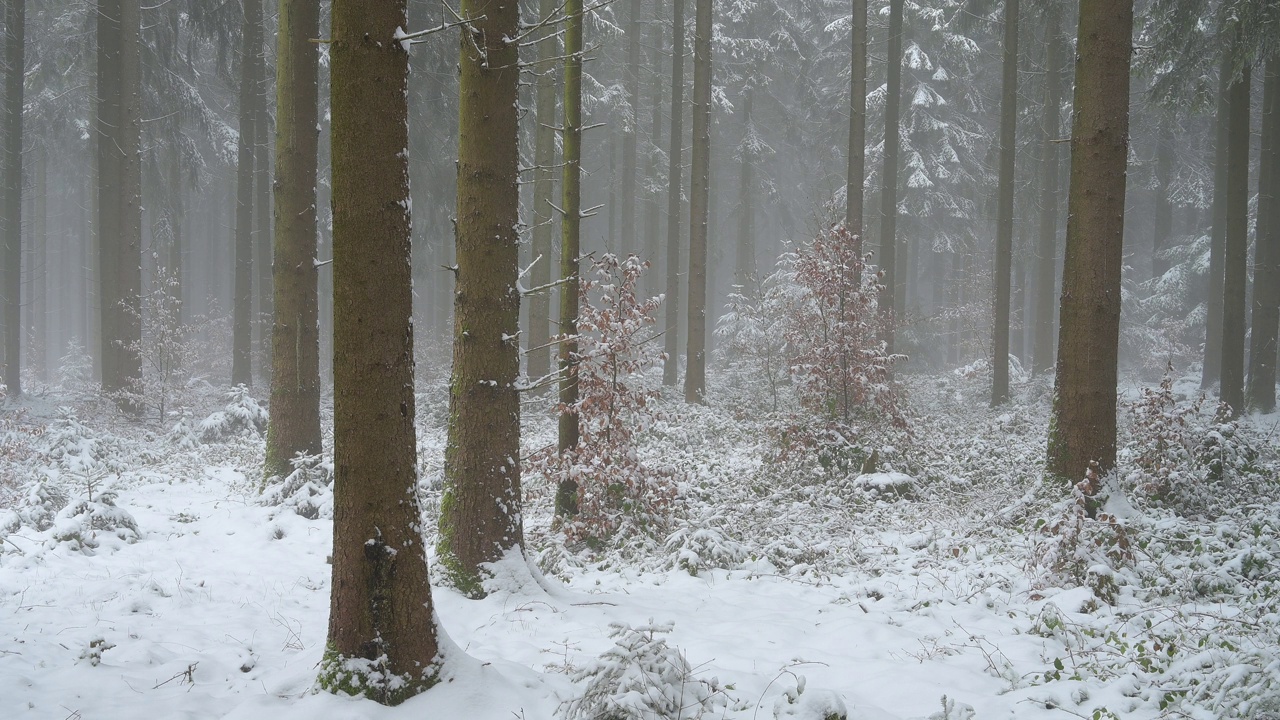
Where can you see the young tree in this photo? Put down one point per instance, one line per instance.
(1266, 278)
(568, 430)
(1047, 253)
(1235, 249)
(889, 183)
(294, 424)
(675, 173)
(250, 94)
(1004, 212)
(118, 129)
(382, 639)
(15, 61)
(544, 179)
(695, 378)
(1083, 429)
(857, 122)
(480, 508)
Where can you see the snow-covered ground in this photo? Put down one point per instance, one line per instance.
(789, 587)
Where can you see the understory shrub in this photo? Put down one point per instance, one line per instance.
(242, 417)
(307, 490)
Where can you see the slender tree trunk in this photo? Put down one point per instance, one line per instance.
(382, 628)
(1211, 372)
(15, 61)
(242, 306)
(1004, 211)
(544, 180)
(1235, 255)
(119, 135)
(695, 377)
(1047, 253)
(675, 173)
(294, 423)
(630, 133)
(1163, 224)
(570, 249)
(40, 269)
(653, 232)
(173, 256)
(744, 275)
(1083, 429)
(480, 509)
(857, 122)
(889, 189)
(1266, 272)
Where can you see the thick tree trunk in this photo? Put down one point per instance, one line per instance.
(1083, 429)
(570, 249)
(744, 275)
(380, 608)
(857, 122)
(480, 509)
(544, 181)
(15, 61)
(1004, 210)
(889, 187)
(1266, 272)
(294, 424)
(1236, 246)
(1047, 253)
(695, 377)
(119, 136)
(675, 172)
(242, 306)
(262, 239)
(1211, 371)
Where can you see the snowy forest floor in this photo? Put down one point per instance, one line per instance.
(141, 575)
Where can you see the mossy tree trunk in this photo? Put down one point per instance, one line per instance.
(1004, 210)
(1083, 428)
(675, 171)
(294, 424)
(544, 180)
(889, 176)
(480, 509)
(695, 377)
(246, 153)
(570, 249)
(382, 633)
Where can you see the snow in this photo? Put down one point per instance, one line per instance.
(770, 596)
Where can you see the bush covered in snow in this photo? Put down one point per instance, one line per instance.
(242, 417)
(307, 490)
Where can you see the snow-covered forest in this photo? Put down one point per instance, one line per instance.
(640, 359)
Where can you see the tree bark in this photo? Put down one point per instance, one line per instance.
(675, 174)
(15, 61)
(1235, 248)
(119, 136)
(744, 275)
(380, 608)
(570, 250)
(544, 180)
(40, 269)
(294, 424)
(1004, 210)
(653, 278)
(242, 305)
(630, 133)
(695, 377)
(1083, 429)
(857, 122)
(263, 218)
(889, 188)
(1266, 272)
(1047, 255)
(480, 509)
(1211, 371)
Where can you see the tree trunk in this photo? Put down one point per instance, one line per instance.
(294, 423)
(1163, 223)
(242, 305)
(653, 231)
(889, 188)
(695, 377)
(675, 172)
(630, 133)
(380, 608)
(1211, 371)
(570, 249)
(857, 122)
(15, 61)
(173, 254)
(119, 134)
(40, 269)
(744, 275)
(1235, 254)
(1004, 211)
(1083, 429)
(1266, 272)
(544, 181)
(263, 234)
(1047, 255)
(480, 509)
